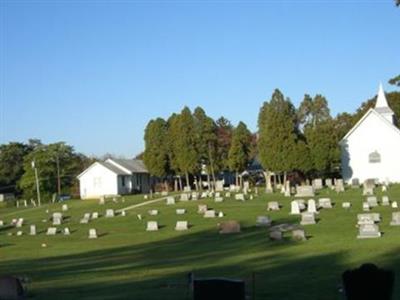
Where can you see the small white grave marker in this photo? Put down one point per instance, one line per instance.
(92, 233)
(51, 231)
(181, 225)
(152, 226)
(109, 213)
(32, 230)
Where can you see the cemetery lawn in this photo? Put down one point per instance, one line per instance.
(126, 262)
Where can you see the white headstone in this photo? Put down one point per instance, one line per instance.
(394, 204)
(64, 207)
(102, 200)
(171, 200)
(181, 225)
(218, 199)
(385, 201)
(311, 206)
(66, 231)
(153, 212)
(202, 208)
(346, 205)
(32, 230)
(152, 226)
(109, 213)
(263, 221)
(239, 197)
(1, 223)
(219, 185)
(368, 231)
(180, 211)
(324, 203)
(51, 231)
(57, 218)
(19, 223)
(294, 208)
(273, 205)
(304, 191)
(92, 233)
(209, 214)
(372, 201)
(227, 194)
(19, 233)
(365, 206)
(317, 184)
(220, 214)
(95, 215)
(395, 219)
(307, 218)
(299, 235)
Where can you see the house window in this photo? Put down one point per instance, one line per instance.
(374, 157)
(97, 182)
(123, 181)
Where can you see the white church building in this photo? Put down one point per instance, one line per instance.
(114, 177)
(371, 149)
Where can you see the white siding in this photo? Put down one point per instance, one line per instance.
(373, 134)
(98, 181)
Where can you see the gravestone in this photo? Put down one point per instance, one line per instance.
(273, 205)
(394, 204)
(184, 197)
(339, 186)
(311, 207)
(204, 195)
(32, 230)
(171, 200)
(218, 288)
(299, 235)
(202, 208)
(328, 182)
(180, 211)
(302, 204)
(364, 219)
(317, 184)
(346, 205)
(395, 219)
(227, 194)
(220, 214)
(365, 206)
(1, 223)
(51, 231)
(181, 225)
(287, 192)
(368, 231)
(109, 213)
(95, 215)
(375, 217)
(19, 233)
(372, 201)
(57, 218)
(307, 218)
(219, 185)
(324, 203)
(276, 235)
(229, 227)
(19, 223)
(164, 193)
(385, 201)
(66, 231)
(239, 197)
(11, 288)
(304, 191)
(153, 212)
(92, 233)
(102, 200)
(355, 183)
(187, 189)
(294, 208)
(139, 216)
(209, 214)
(64, 207)
(263, 221)
(384, 188)
(219, 199)
(123, 213)
(152, 226)
(195, 196)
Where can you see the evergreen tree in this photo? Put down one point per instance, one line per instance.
(206, 141)
(278, 133)
(155, 155)
(239, 152)
(224, 140)
(183, 143)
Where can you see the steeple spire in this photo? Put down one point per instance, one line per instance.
(381, 100)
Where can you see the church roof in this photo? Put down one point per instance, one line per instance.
(370, 111)
(381, 105)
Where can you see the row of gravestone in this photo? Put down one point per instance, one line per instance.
(368, 227)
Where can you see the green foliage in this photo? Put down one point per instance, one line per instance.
(183, 143)
(45, 158)
(313, 111)
(323, 144)
(395, 80)
(224, 139)
(239, 152)
(155, 155)
(278, 133)
(342, 124)
(11, 165)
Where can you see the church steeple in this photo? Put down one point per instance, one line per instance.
(382, 106)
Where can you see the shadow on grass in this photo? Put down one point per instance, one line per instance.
(158, 269)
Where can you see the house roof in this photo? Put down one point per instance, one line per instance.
(131, 165)
(370, 111)
(106, 165)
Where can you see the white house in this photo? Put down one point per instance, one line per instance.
(114, 177)
(370, 150)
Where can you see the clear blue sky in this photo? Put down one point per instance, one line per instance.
(93, 73)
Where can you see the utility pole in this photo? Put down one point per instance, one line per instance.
(58, 176)
(37, 182)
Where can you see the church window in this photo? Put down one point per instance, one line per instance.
(374, 157)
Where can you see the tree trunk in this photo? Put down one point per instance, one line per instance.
(208, 181)
(166, 187)
(268, 187)
(187, 179)
(175, 185)
(180, 183)
(284, 178)
(237, 178)
(200, 182)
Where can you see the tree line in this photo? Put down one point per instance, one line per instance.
(302, 141)
(57, 165)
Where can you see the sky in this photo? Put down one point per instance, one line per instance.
(93, 73)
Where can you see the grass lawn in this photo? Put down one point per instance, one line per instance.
(126, 262)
